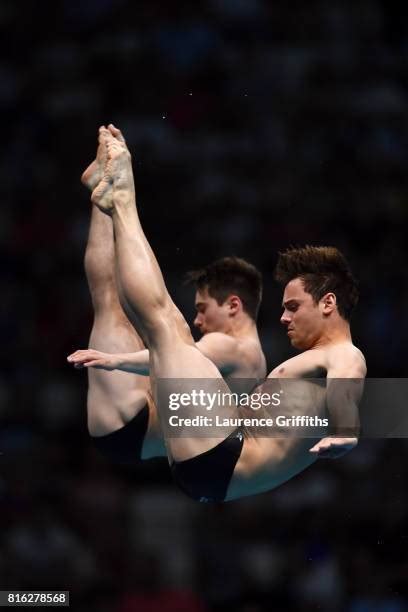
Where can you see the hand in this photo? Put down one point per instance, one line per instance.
(89, 358)
(333, 448)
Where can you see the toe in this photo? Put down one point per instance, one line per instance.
(116, 132)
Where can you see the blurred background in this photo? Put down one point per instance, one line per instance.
(254, 125)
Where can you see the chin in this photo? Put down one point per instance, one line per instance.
(298, 344)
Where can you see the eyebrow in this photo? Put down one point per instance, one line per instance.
(288, 302)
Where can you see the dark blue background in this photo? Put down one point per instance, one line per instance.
(253, 125)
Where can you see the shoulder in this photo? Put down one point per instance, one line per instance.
(345, 360)
(220, 348)
(217, 339)
(234, 356)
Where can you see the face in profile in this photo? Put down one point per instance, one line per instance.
(210, 317)
(303, 318)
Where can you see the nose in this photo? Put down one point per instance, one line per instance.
(285, 319)
(197, 321)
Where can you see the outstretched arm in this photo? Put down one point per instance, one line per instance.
(220, 348)
(345, 383)
(137, 363)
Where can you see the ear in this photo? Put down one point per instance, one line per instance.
(234, 304)
(329, 303)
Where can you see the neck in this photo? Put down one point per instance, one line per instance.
(241, 326)
(335, 334)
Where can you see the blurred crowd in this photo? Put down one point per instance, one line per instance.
(253, 125)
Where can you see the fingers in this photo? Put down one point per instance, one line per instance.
(91, 364)
(88, 358)
(333, 448)
(323, 447)
(81, 356)
(320, 448)
(326, 452)
(95, 363)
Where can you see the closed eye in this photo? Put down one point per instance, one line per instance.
(291, 306)
(200, 307)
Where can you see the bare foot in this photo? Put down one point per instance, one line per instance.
(94, 172)
(117, 172)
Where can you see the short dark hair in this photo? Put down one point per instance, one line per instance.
(227, 276)
(323, 269)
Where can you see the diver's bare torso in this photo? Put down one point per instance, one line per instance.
(267, 462)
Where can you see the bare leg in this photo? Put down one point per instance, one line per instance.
(172, 350)
(114, 398)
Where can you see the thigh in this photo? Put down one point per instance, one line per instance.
(180, 369)
(114, 398)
